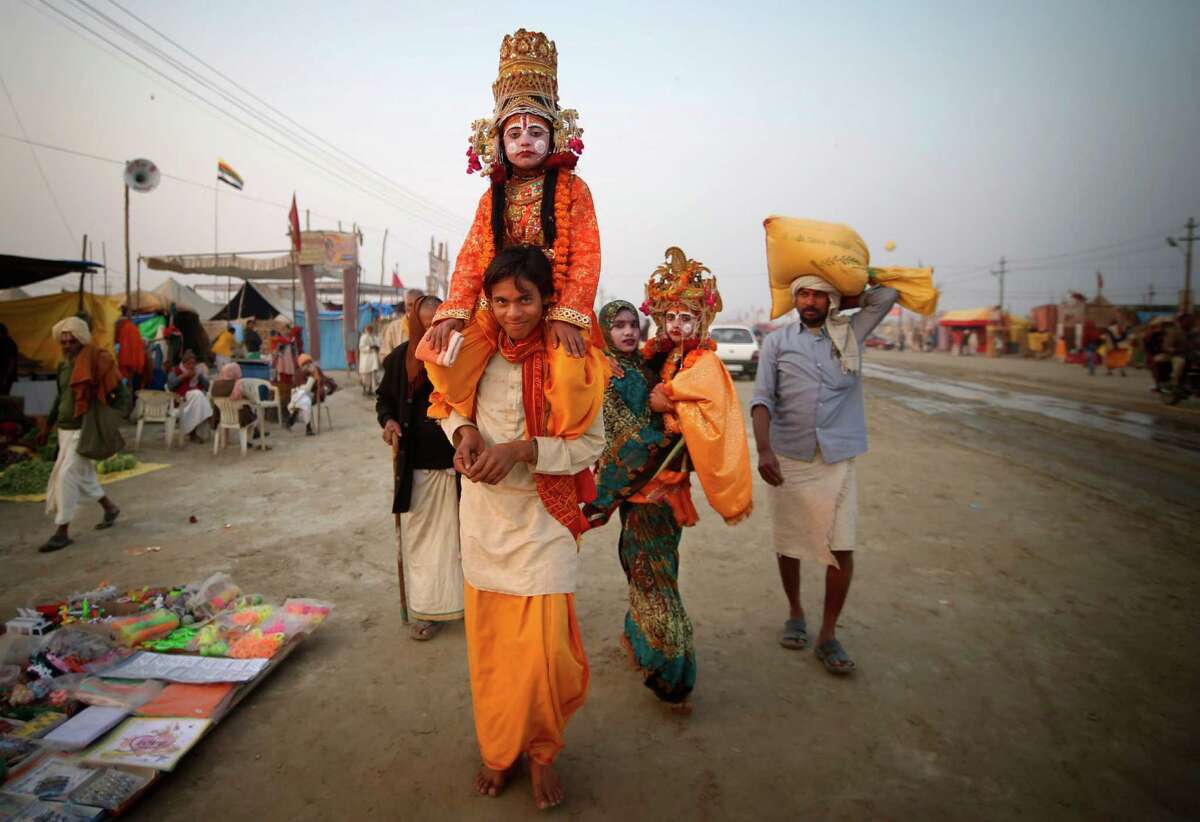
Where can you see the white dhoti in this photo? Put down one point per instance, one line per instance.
(301, 403)
(73, 479)
(370, 369)
(195, 409)
(815, 511)
(433, 576)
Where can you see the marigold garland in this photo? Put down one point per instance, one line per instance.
(562, 225)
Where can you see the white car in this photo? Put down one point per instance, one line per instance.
(737, 348)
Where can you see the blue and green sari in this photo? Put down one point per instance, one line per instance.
(658, 632)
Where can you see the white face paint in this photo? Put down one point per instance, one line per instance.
(681, 324)
(526, 140)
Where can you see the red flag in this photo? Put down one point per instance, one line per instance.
(396, 281)
(294, 224)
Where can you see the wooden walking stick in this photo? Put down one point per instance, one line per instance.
(399, 541)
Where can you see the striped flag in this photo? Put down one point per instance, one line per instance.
(228, 176)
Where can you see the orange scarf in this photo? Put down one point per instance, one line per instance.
(94, 375)
(561, 495)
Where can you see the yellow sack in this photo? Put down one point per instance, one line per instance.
(836, 254)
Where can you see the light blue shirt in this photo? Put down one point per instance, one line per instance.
(812, 401)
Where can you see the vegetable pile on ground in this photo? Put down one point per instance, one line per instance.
(29, 477)
(115, 463)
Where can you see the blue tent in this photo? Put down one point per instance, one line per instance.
(333, 350)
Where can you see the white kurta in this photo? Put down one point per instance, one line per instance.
(368, 356)
(72, 480)
(510, 543)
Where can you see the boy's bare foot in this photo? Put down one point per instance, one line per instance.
(681, 708)
(490, 782)
(547, 789)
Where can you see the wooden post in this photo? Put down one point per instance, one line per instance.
(382, 264)
(128, 296)
(82, 274)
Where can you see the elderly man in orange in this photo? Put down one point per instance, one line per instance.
(519, 523)
(529, 149)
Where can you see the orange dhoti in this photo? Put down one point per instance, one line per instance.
(529, 673)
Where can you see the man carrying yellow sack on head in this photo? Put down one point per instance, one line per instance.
(809, 420)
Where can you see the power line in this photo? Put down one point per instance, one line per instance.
(241, 195)
(330, 173)
(1087, 251)
(37, 161)
(326, 156)
(416, 196)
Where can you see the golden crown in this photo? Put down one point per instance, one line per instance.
(527, 83)
(681, 281)
(528, 77)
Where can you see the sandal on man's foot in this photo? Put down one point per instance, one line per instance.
(109, 518)
(833, 657)
(795, 635)
(55, 543)
(423, 630)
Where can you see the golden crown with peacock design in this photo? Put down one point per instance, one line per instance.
(527, 83)
(681, 281)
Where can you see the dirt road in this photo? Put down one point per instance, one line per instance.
(1023, 617)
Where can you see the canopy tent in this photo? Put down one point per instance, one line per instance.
(142, 301)
(31, 321)
(18, 271)
(184, 299)
(964, 317)
(256, 300)
(333, 357)
(241, 266)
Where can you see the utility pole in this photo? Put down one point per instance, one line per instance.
(1000, 274)
(1185, 299)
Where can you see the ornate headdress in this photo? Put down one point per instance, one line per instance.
(527, 83)
(680, 281)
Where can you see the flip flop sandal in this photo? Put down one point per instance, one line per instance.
(424, 631)
(109, 518)
(795, 635)
(833, 657)
(55, 543)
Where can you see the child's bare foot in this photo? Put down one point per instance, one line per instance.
(681, 708)
(490, 782)
(547, 789)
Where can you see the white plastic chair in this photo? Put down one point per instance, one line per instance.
(230, 421)
(318, 406)
(252, 388)
(156, 406)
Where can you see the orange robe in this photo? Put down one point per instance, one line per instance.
(575, 289)
(575, 388)
(709, 416)
(528, 670)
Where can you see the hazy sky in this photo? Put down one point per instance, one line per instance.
(961, 131)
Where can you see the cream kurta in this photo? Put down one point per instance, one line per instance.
(510, 543)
